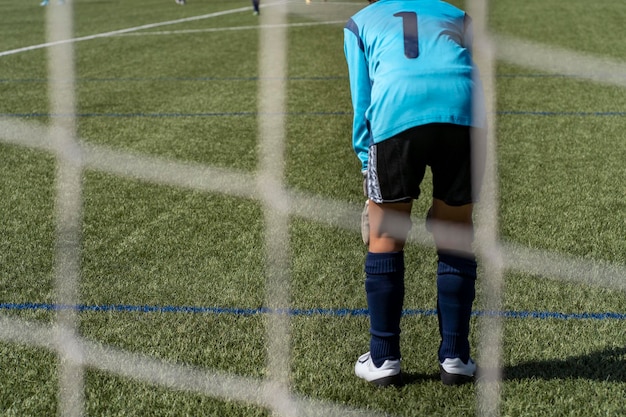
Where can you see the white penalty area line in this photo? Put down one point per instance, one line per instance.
(186, 31)
(127, 30)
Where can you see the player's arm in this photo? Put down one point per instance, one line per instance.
(360, 89)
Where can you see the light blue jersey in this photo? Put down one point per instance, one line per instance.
(410, 64)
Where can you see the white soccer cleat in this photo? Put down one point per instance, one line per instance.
(387, 374)
(455, 372)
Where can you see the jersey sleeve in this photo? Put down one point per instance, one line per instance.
(360, 89)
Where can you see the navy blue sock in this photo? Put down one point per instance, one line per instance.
(456, 280)
(384, 286)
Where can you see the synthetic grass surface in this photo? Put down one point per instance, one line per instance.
(191, 96)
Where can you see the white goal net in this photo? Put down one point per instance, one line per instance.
(278, 203)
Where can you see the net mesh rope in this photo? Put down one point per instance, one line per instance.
(267, 186)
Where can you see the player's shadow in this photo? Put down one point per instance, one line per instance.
(605, 365)
(410, 378)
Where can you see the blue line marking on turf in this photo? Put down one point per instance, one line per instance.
(340, 312)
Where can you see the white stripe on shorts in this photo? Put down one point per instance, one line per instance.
(373, 185)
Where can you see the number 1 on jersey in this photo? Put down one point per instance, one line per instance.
(409, 28)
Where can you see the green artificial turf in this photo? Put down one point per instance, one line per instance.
(179, 275)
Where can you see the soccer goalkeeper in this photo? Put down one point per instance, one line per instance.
(412, 81)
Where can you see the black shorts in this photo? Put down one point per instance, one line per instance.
(396, 166)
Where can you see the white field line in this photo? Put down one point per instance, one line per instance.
(510, 49)
(232, 28)
(124, 31)
(130, 30)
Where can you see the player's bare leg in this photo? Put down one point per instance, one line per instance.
(452, 227)
(390, 224)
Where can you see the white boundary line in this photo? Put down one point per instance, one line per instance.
(129, 31)
(124, 31)
(232, 28)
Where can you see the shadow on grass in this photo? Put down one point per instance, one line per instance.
(606, 365)
(409, 378)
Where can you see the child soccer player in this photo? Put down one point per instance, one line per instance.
(412, 82)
